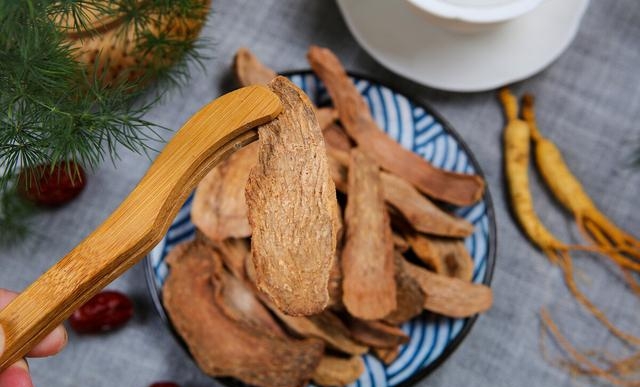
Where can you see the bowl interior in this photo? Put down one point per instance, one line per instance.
(432, 338)
(476, 11)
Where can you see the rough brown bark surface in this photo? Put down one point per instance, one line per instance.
(368, 288)
(293, 210)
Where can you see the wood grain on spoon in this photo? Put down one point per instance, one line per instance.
(140, 222)
(456, 188)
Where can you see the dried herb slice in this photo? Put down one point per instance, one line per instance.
(416, 209)
(219, 208)
(420, 212)
(409, 295)
(338, 371)
(293, 210)
(249, 70)
(386, 355)
(400, 243)
(377, 334)
(325, 326)
(336, 138)
(237, 300)
(451, 187)
(222, 346)
(445, 256)
(233, 252)
(450, 296)
(326, 116)
(369, 286)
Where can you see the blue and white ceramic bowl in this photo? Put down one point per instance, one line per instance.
(422, 130)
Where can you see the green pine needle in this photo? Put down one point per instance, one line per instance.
(51, 111)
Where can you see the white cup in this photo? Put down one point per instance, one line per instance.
(472, 15)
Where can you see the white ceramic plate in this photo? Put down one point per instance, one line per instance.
(407, 44)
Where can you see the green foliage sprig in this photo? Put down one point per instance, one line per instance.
(53, 108)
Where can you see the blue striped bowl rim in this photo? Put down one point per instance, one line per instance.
(421, 129)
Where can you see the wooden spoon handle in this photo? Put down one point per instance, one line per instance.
(139, 223)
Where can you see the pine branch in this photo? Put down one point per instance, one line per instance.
(52, 111)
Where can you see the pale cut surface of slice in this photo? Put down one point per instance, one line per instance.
(448, 296)
(222, 346)
(219, 207)
(293, 210)
(451, 187)
(338, 371)
(369, 287)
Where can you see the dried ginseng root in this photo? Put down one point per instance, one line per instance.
(219, 207)
(445, 256)
(614, 371)
(220, 345)
(338, 371)
(369, 286)
(624, 248)
(451, 187)
(450, 296)
(293, 210)
(516, 143)
(517, 135)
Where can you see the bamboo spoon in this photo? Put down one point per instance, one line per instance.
(214, 132)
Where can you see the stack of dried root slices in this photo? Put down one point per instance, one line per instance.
(317, 242)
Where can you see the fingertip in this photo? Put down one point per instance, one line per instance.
(52, 344)
(16, 376)
(1, 340)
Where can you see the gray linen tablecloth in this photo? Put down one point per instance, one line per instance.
(589, 104)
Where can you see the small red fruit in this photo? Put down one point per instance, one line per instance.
(164, 384)
(52, 186)
(104, 312)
